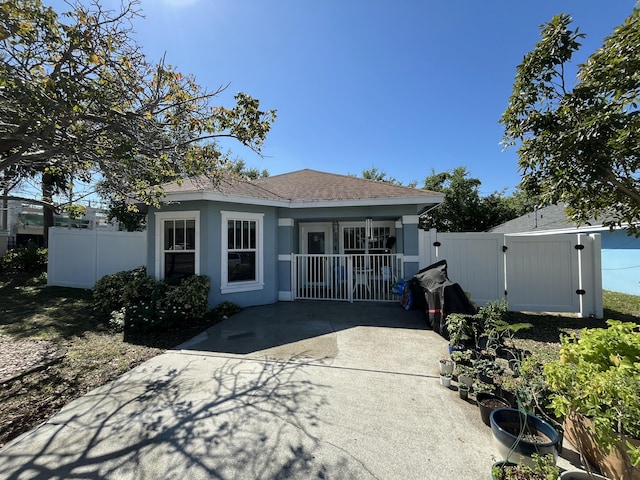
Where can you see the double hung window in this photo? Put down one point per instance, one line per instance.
(242, 262)
(177, 244)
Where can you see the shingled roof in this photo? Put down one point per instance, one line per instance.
(303, 187)
(545, 219)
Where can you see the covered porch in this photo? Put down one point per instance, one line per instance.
(348, 259)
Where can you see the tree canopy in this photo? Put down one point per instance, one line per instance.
(80, 101)
(464, 209)
(580, 145)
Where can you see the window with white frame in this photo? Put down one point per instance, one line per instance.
(354, 238)
(177, 245)
(242, 255)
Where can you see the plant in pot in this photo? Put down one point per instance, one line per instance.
(492, 329)
(487, 369)
(445, 379)
(488, 401)
(465, 375)
(446, 365)
(543, 468)
(519, 435)
(596, 386)
(463, 391)
(460, 329)
(462, 357)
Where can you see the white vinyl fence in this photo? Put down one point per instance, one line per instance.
(78, 258)
(537, 273)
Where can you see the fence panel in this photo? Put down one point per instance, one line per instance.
(78, 258)
(540, 273)
(474, 260)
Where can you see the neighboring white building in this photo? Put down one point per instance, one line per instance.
(21, 222)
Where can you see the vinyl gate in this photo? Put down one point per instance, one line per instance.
(538, 273)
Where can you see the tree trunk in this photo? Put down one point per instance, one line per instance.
(47, 196)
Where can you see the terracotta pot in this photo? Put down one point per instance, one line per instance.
(579, 475)
(616, 464)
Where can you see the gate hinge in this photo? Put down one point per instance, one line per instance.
(436, 244)
(581, 292)
(504, 248)
(579, 247)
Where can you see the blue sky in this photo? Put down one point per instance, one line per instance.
(404, 86)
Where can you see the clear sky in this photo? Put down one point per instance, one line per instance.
(404, 86)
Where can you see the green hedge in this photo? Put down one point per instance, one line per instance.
(137, 302)
(31, 259)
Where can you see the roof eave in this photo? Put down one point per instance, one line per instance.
(420, 202)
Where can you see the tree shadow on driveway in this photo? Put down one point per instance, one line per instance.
(200, 417)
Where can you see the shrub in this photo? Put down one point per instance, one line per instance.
(598, 376)
(189, 299)
(108, 291)
(225, 310)
(137, 302)
(31, 259)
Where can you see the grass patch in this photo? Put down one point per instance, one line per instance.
(544, 338)
(92, 353)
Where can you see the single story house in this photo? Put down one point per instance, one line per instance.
(300, 235)
(620, 252)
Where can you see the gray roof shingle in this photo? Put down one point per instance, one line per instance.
(305, 186)
(551, 217)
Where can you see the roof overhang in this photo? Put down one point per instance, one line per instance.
(420, 202)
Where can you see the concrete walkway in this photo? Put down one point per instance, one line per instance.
(292, 390)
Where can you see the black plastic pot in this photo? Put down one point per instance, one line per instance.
(519, 435)
(487, 402)
(502, 464)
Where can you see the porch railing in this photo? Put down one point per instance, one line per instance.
(346, 277)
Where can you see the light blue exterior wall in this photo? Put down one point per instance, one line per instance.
(211, 248)
(620, 262)
(280, 240)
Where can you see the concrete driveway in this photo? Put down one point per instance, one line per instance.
(292, 390)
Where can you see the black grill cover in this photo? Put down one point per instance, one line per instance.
(438, 296)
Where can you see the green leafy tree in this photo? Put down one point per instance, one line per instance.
(379, 176)
(464, 209)
(79, 100)
(239, 167)
(580, 145)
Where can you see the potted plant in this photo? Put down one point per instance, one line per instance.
(460, 330)
(596, 387)
(462, 357)
(465, 375)
(487, 369)
(445, 379)
(487, 402)
(543, 468)
(519, 435)
(463, 391)
(580, 475)
(446, 365)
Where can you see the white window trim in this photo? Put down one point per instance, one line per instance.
(235, 287)
(160, 219)
(376, 223)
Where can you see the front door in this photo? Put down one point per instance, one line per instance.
(315, 240)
